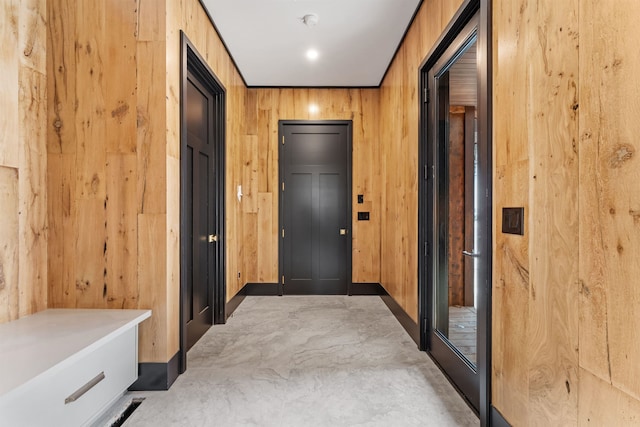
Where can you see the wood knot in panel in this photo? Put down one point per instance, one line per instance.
(95, 183)
(82, 285)
(120, 111)
(584, 289)
(622, 154)
(3, 282)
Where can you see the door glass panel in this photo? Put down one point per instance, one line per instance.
(456, 202)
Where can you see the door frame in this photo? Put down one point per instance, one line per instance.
(463, 16)
(349, 126)
(192, 61)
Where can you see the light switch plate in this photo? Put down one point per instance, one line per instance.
(513, 221)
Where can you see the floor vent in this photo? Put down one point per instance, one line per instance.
(133, 405)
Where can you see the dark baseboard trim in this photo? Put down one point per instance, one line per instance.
(157, 376)
(367, 289)
(233, 303)
(261, 289)
(407, 322)
(497, 420)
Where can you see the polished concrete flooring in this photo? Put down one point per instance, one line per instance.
(307, 361)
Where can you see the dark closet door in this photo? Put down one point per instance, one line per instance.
(315, 170)
(200, 216)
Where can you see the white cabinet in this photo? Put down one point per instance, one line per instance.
(65, 367)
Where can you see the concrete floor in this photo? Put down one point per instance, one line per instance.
(307, 361)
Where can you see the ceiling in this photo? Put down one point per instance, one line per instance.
(355, 39)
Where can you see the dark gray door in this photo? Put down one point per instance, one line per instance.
(202, 199)
(200, 213)
(315, 206)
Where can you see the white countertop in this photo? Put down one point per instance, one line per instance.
(39, 343)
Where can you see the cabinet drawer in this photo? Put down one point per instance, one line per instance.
(41, 402)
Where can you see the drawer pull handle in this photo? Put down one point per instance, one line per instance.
(85, 388)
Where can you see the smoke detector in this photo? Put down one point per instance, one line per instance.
(310, 20)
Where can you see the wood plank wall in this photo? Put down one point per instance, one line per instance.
(399, 117)
(566, 294)
(609, 195)
(23, 159)
(265, 107)
(106, 161)
(535, 349)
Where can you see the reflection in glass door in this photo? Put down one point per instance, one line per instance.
(456, 314)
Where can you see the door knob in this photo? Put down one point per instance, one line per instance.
(471, 254)
(213, 238)
(343, 231)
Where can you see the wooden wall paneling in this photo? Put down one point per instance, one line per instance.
(234, 219)
(61, 81)
(250, 173)
(286, 105)
(448, 9)
(431, 18)
(264, 99)
(121, 250)
(360, 161)
(410, 181)
(536, 157)
(90, 108)
(392, 223)
(61, 158)
(553, 310)
(33, 35)
(152, 272)
(367, 158)
(9, 248)
(172, 258)
(267, 183)
(510, 322)
(90, 249)
(511, 185)
(120, 71)
(151, 25)
(385, 167)
(301, 104)
(151, 116)
(267, 253)
(10, 65)
(322, 98)
(366, 234)
(32, 189)
(510, 380)
(62, 216)
(603, 404)
(250, 244)
(251, 112)
(609, 208)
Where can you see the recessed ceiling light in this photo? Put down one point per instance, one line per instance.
(313, 108)
(312, 54)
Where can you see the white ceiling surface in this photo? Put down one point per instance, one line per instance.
(356, 39)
